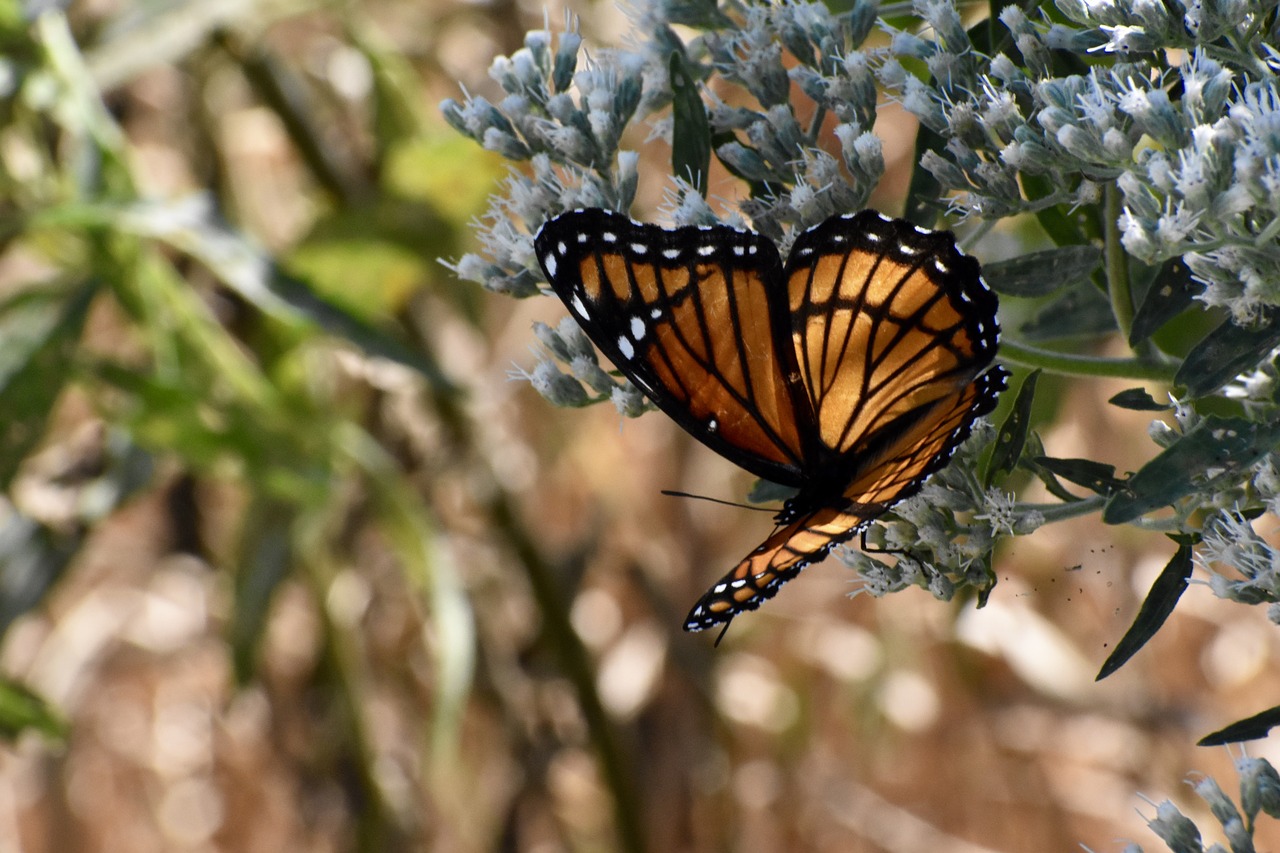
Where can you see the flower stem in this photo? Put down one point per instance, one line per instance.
(1117, 263)
(1070, 364)
(1063, 511)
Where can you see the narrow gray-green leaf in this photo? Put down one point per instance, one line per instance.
(1155, 609)
(1225, 353)
(1094, 476)
(1012, 437)
(33, 560)
(1250, 728)
(1082, 311)
(691, 131)
(1042, 273)
(1214, 447)
(1171, 292)
(1138, 400)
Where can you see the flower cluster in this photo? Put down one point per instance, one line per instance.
(1259, 794)
(568, 119)
(1230, 540)
(1199, 174)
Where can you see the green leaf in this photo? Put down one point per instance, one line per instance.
(341, 323)
(1012, 437)
(40, 329)
(1155, 609)
(922, 206)
(1042, 273)
(1082, 311)
(1225, 353)
(1138, 400)
(1094, 476)
(1250, 728)
(1034, 451)
(170, 415)
(264, 561)
(1214, 447)
(190, 225)
(22, 709)
(691, 131)
(1170, 293)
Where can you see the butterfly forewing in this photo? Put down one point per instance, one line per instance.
(694, 318)
(886, 319)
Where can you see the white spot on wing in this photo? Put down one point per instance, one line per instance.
(707, 250)
(671, 253)
(637, 328)
(578, 307)
(609, 237)
(550, 263)
(941, 266)
(639, 248)
(625, 347)
(656, 313)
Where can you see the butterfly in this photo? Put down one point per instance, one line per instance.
(850, 373)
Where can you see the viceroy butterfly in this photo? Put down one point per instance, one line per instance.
(851, 373)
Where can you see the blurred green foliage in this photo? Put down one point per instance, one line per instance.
(198, 350)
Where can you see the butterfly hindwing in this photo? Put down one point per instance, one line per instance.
(694, 317)
(900, 472)
(777, 560)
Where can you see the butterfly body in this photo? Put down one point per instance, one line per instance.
(851, 372)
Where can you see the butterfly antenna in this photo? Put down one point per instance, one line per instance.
(676, 494)
(723, 631)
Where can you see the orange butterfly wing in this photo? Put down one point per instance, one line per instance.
(892, 325)
(696, 318)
